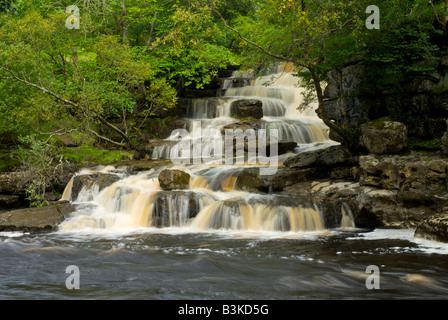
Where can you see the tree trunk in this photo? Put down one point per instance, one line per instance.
(124, 21)
(351, 142)
(148, 43)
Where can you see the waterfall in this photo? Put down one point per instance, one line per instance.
(67, 194)
(239, 215)
(348, 220)
(213, 200)
(280, 96)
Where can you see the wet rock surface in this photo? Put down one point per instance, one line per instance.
(433, 228)
(174, 180)
(332, 156)
(36, 219)
(247, 108)
(87, 181)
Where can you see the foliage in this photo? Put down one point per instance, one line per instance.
(427, 145)
(131, 58)
(326, 35)
(92, 154)
(35, 160)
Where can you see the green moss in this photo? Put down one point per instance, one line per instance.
(242, 118)
(430, 145)
(89, 153)
(379, 123)
(164, 120)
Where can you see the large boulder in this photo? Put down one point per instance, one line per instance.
(174, 180)
(382, 137)
(14, 182)
(36, 219)
(381, 172)
(247, 109)
(433, 228)
(413, 172)
(331, 156)
(247, 126)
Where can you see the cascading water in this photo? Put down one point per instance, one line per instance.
(212, 201)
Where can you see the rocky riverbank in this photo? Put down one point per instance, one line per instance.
(388, 185)
(407, 190)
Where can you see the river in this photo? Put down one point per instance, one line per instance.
(174, 263)
(135, 240)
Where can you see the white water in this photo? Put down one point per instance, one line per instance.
(213, 201)
(281, 96)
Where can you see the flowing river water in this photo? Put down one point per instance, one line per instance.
(134, 240)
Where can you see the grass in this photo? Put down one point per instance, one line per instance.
(429, 145)
(92, 154)
(379, 123)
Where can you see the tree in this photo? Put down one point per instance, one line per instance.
(90, 83)
(319, 36)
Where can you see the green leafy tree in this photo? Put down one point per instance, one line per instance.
(323, 35)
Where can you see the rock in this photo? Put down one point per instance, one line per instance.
(175, 208)
(382, 137)
(414, 172)
(445, 141)
(353, 107)
(249, 180)
(286, 146)
(156, 128)
(415, 198)
(263, 148)
(174, 180)
(344, 173)
(247, 109)
(141, 165)
(36, 219)
(9, 201)
(282, 147)
(154, 149)
(433, 228)
(382, 172)
(88, 181)
(15, 183)
(331, 156)
(350, 98)
(418, 185)
(244, 125)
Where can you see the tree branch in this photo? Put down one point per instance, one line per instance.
(256, 44)
(114, 128)
(73, 104)
(13, 75)
(106, 139)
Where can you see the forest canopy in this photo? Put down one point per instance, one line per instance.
(95, 72)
